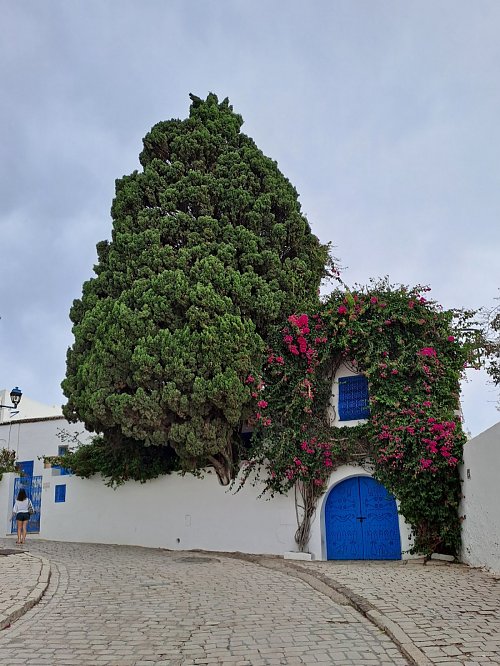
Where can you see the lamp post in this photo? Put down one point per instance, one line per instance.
(15, 395)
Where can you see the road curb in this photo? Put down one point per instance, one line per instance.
(17, 610)
(342, 594)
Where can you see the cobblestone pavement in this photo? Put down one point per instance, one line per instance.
(450, 612)
(129, 606)
(23, 580)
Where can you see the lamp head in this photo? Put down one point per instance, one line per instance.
(15, 395)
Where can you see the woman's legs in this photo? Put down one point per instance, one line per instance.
(25, 527)
(19, 530)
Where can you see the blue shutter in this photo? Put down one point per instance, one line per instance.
(60, 495)
(62, 470)
(25, 467)
(353, 398)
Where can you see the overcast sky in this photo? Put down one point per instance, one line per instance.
(385, 115)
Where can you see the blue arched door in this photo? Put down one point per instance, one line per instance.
(361, 521)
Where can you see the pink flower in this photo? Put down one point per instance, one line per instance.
(373, 299)
(426, 403)
(342, 309)
(262, 404)
(301, 321)
(287, 339)
(451, 338)
(411, 305)
(249, 379)
(293, 350)
(279, 360)
(425, 463)
(427, 351)
(432, 446)
(302, 343)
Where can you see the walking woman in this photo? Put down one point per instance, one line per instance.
(22, 510)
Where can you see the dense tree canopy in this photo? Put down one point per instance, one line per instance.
(209, 250)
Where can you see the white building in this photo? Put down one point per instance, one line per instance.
(27, 409)
(356, 517)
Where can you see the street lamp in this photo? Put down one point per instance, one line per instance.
(15, 395)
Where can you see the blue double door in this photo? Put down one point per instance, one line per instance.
(33, 487)
(361, 521)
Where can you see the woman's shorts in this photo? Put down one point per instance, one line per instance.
(22, 516)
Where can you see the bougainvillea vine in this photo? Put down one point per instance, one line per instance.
(411, 352)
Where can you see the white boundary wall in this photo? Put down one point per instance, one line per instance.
(481, 503)
(179, 513)
(173, 512)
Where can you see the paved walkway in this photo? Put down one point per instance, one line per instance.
(132, 606)
(449, 612)
(23, 580)
(129, 606)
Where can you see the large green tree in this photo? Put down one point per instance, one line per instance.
(209, 250)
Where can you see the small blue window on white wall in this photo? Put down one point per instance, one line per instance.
(57, 469)
(353, 398)
(60, 495)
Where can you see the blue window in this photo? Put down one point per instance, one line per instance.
(61, 451)
(25, 467)
(353, 398)
(60, 495)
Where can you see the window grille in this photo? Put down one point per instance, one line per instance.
(353, 398)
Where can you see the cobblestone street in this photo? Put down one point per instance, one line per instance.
(131, 606)
(450, 612)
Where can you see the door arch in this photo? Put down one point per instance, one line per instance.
(361, 521)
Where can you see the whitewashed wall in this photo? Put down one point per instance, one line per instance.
(481, 503)
(171, 512)
(6, 502)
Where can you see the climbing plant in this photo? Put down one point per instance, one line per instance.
(412, 353)
(7, 461)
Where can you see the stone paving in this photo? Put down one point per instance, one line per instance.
(128, 606)
(23, 581)
(450, 612)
